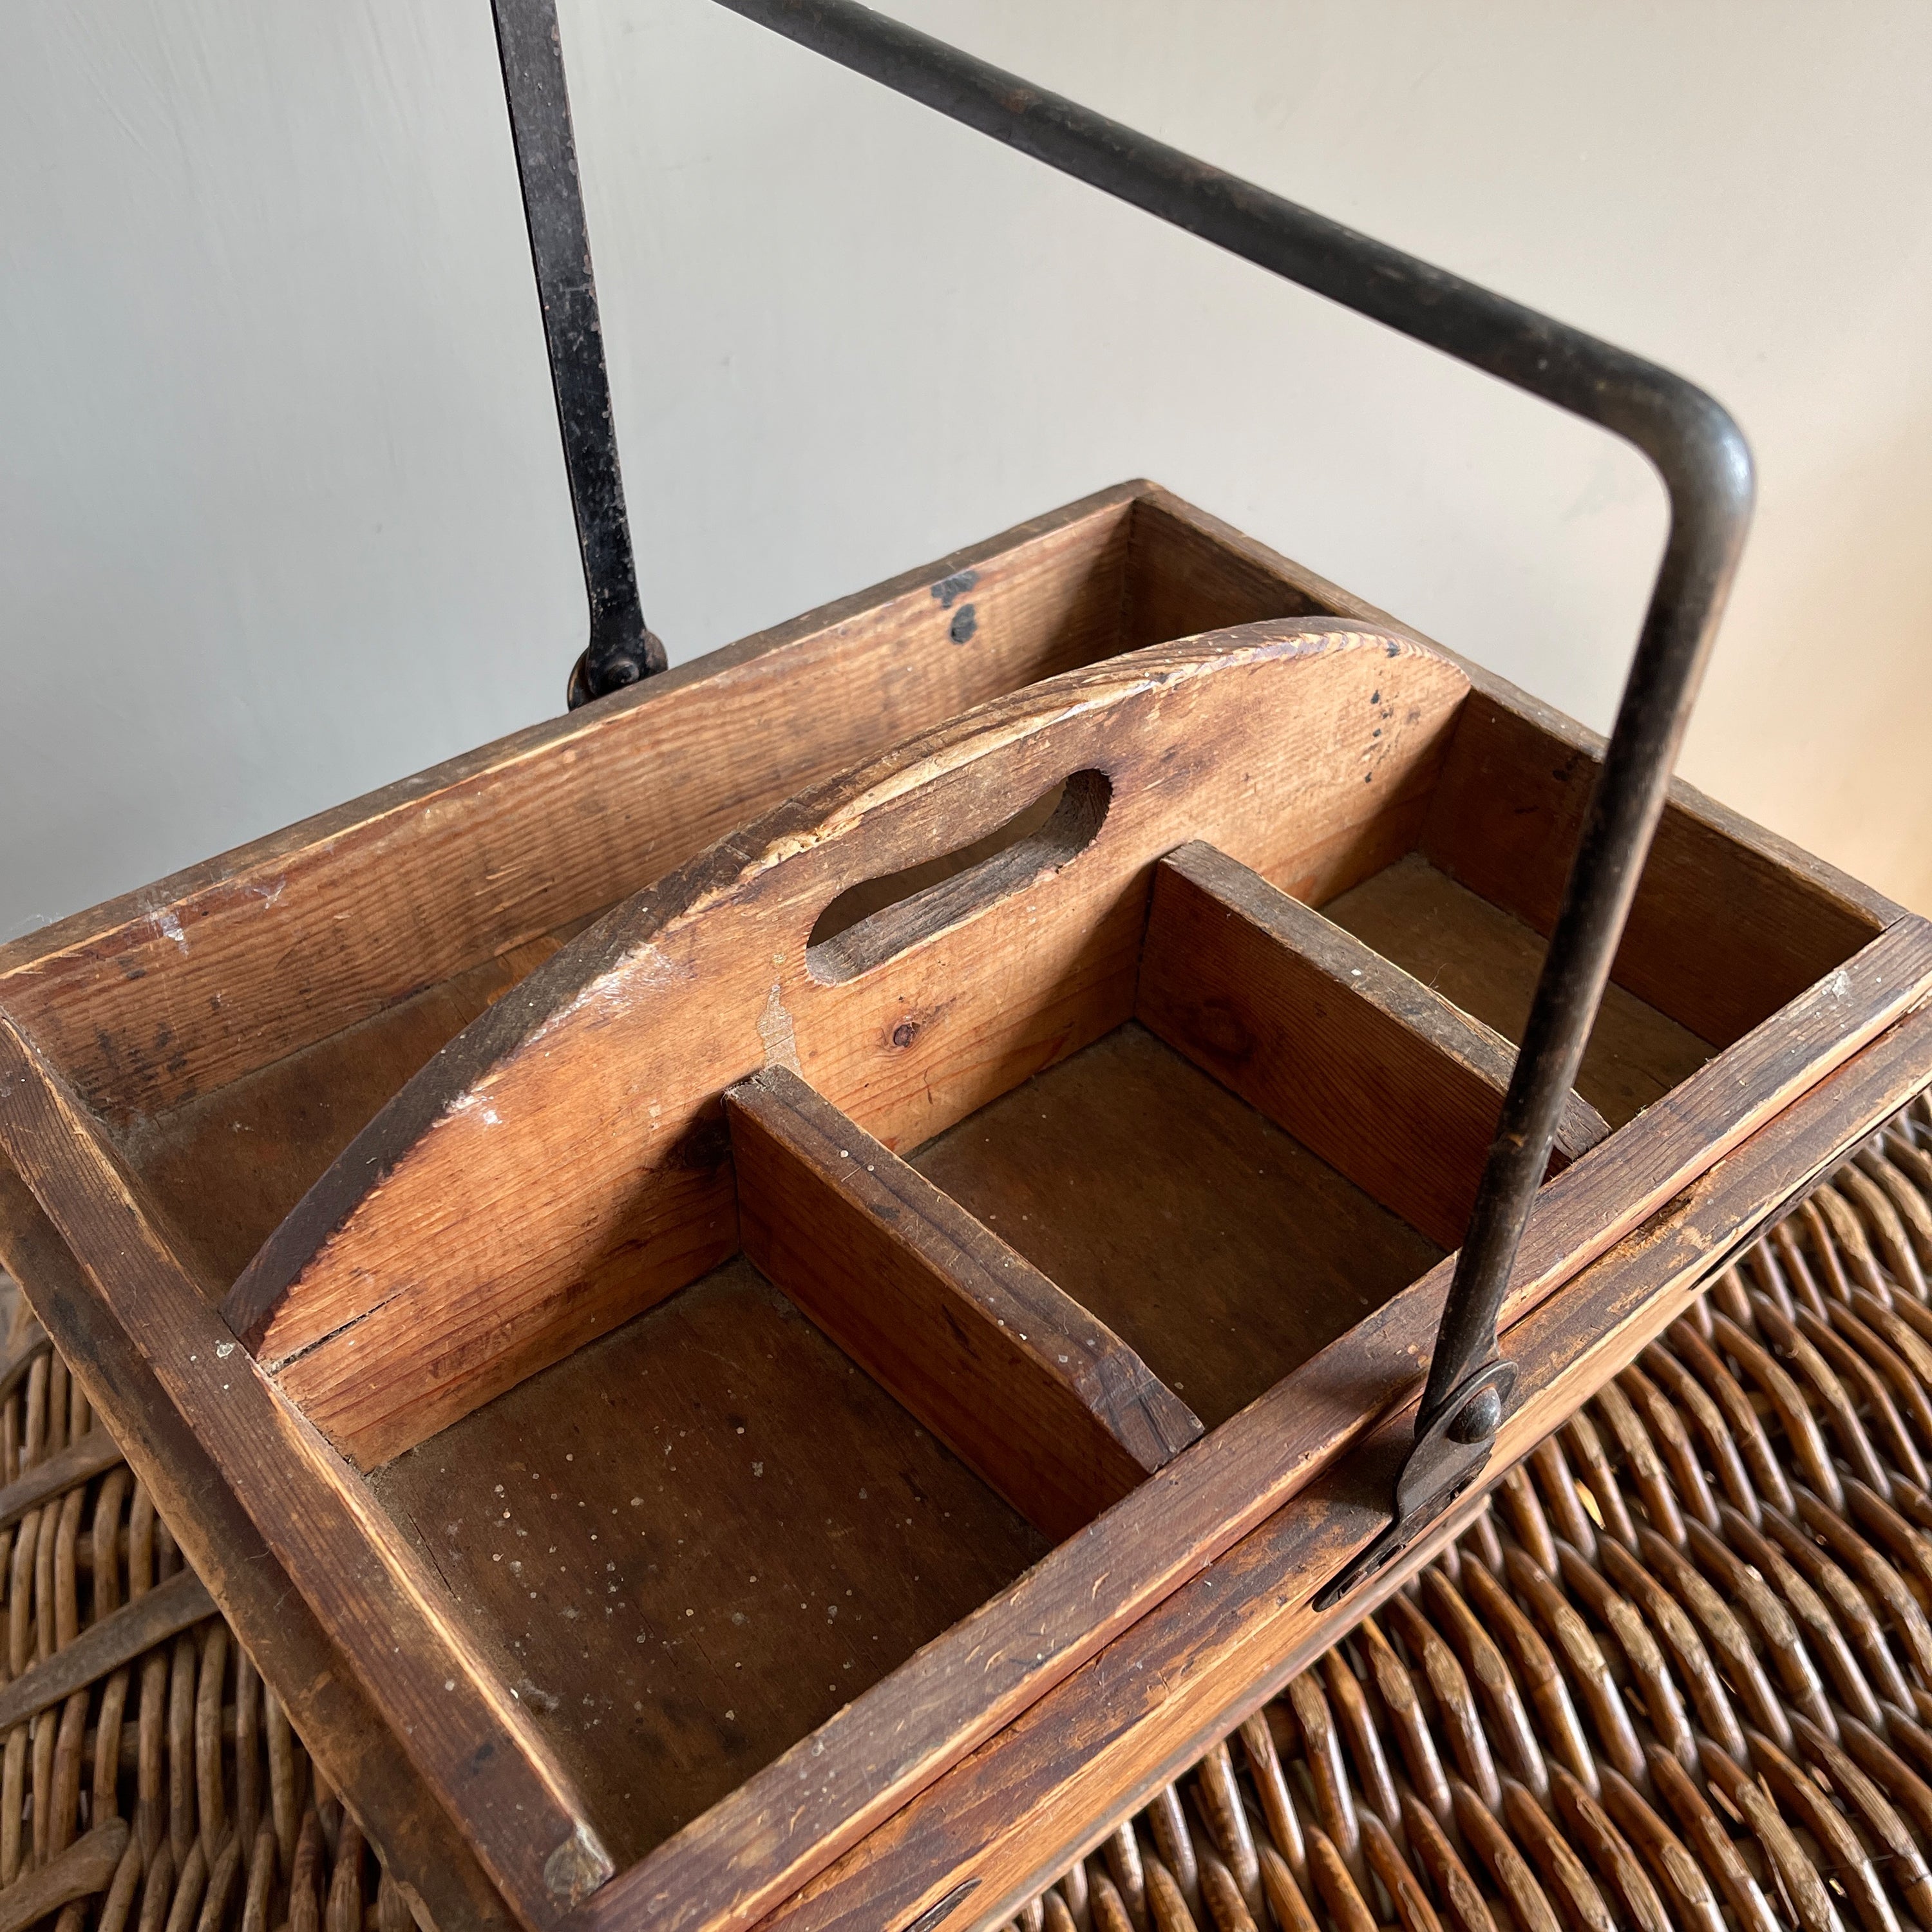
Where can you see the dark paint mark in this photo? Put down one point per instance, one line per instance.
(1393, 648)
(1376, 697)
(933, 1914)
(965, 622)
(957, 585)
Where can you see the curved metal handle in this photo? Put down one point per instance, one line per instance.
(1706, 466)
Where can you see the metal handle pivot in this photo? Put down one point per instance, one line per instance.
(1696, 446)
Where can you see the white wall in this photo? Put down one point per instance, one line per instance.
(281, 515)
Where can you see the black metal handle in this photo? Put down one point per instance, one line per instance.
(622, 648)
(1704, 465)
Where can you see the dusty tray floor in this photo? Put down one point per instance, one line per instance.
(692, 1541)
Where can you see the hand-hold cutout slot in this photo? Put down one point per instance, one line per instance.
(870, 922)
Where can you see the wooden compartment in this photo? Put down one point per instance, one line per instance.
(701, 1393)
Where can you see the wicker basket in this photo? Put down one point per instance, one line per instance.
(150, 1779)
(1679, 1675)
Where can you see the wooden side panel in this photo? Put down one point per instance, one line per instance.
(1017, 1812)
(1728, 922)
(340, 1723)
(1391, 1084)
(177, 989)
(1184, 575)
(560, 1165)
(468, 1740)
(1051, 1408)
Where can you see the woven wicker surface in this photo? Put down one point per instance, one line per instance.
(153, 1781)
(1679, 1676)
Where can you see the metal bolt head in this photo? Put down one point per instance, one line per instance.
(1482, 1416)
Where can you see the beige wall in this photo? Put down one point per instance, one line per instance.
(281, 516)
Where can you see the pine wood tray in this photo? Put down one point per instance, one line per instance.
(685, 1401)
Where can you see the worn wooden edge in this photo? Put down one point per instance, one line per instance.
(902, 777)
(471, 1746)
(118, 1638)
(1051, 1408)
(97, 926)
(1105, 1738)
(418, 1841)
(1234, 977)
(1861, 902)
(735, 1862)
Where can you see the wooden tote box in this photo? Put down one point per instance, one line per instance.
(767, 1302)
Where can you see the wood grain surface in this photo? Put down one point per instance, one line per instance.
(1381, 1077)
(562, 1164)
(1015, 1813)
(1728, 922)
(1485, 962)
(1047, 1404)
(693, 1542)
(1223, 1252)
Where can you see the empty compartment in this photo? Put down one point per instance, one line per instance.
(687, 1545)
(1219, 1247)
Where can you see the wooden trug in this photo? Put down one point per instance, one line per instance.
(740, 1291)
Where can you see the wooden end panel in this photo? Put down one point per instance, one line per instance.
(1730, 922)
(1385, 1080)
(1050, 1408)
(1188, 572)
(183, 987)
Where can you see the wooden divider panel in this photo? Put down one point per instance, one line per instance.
(1050, 1407)
(562, 1164)
(1383, 1079)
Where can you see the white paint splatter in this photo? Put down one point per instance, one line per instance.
(1839, 985)
(171, 927)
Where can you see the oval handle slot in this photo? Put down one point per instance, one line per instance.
(880, 918)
